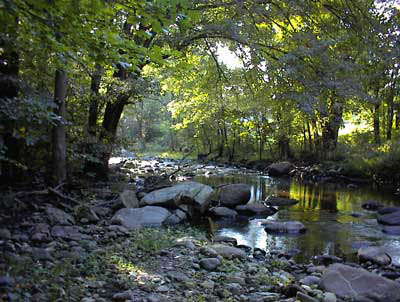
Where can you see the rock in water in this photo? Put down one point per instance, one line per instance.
(235, 194)
(191, 193)
(373, 254)
(141, 217)
(224, 212)
(280, 169)
(279, 201)
(282, 227)
(392, 218)
(255, 209)
(359, 284)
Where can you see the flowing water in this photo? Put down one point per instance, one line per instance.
(327, 212)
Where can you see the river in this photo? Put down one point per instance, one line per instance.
(336, 223)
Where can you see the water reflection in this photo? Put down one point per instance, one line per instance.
(334, 218)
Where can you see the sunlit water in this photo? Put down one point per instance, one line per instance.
(324, 210)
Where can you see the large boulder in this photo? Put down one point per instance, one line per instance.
(190, 193)
(129, 199)
(141, 217)
(392, 218)
(280, 169)
(359, 285)
(284, 227)
(280, 202)
(235, 194)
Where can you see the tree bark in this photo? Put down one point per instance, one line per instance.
(331, 126)
(59, 131)
(377, 135)
(94, 101)
(309, 136)
(390, 113)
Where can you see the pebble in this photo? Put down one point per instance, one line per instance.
(5, 234)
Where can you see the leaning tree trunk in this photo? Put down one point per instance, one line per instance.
(59, 131)
(108, 132)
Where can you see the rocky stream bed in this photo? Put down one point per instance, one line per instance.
(123, 242)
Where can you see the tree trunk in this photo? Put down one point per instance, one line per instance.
(94, 101)
(309, 136)
(330, 129)
(108, 132)
(390, 113)
(59, 131)
(377, 135)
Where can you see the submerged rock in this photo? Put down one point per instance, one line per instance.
(279, 201)
(374, 254)
(391, 230)
(371, 205)
(392, 218)
(280, 169)
(284, 227)
(235, 194)
(359, 284)
(223, 212)
(255, 209)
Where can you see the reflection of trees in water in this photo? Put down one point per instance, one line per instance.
(319, 208)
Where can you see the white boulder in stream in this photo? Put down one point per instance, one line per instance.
(137, 218)
(190, 193)
(359, 285)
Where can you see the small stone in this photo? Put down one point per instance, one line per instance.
(310, 280)
(41, 254)
(234, 288)
(162, 289)
(6, 281)
(210, 263)
(178, 276)
(126, 295)
(208, 284)
(88, 299)
(5, 234)
(208, 251)
(152, 298)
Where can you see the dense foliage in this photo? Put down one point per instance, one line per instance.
(70, 71)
